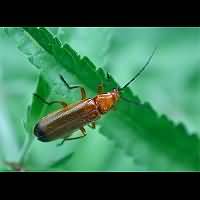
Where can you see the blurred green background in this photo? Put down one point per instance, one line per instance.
(171, 84)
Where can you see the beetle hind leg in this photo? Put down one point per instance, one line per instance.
(74, 138)
(92, 125)
(83, 131)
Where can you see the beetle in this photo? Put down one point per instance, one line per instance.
(61, 124)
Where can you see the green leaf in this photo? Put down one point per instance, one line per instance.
(154, 142)
(60, 162)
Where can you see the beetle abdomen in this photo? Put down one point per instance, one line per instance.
(40, 134)
(64, 122)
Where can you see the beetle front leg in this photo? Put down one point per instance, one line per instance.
(108, 76)
(100, 89)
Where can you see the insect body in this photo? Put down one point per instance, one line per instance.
(64, 122)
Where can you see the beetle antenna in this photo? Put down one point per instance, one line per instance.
(141, 70)
(129, 101)
(134, 102)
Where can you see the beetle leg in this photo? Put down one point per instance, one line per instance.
(108, 76)
(109, 79)
(83, 131)
(100, 88)
(50, 102)
(92, 125)
(62, 142)
(74, 138)
(83, 93)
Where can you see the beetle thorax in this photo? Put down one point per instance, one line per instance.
(106, 101)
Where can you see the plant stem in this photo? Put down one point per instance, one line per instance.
(28, 141)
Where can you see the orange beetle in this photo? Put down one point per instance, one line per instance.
(64, 122)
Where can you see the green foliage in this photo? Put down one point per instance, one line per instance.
(130, 138)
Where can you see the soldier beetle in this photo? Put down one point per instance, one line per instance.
(62, 123)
